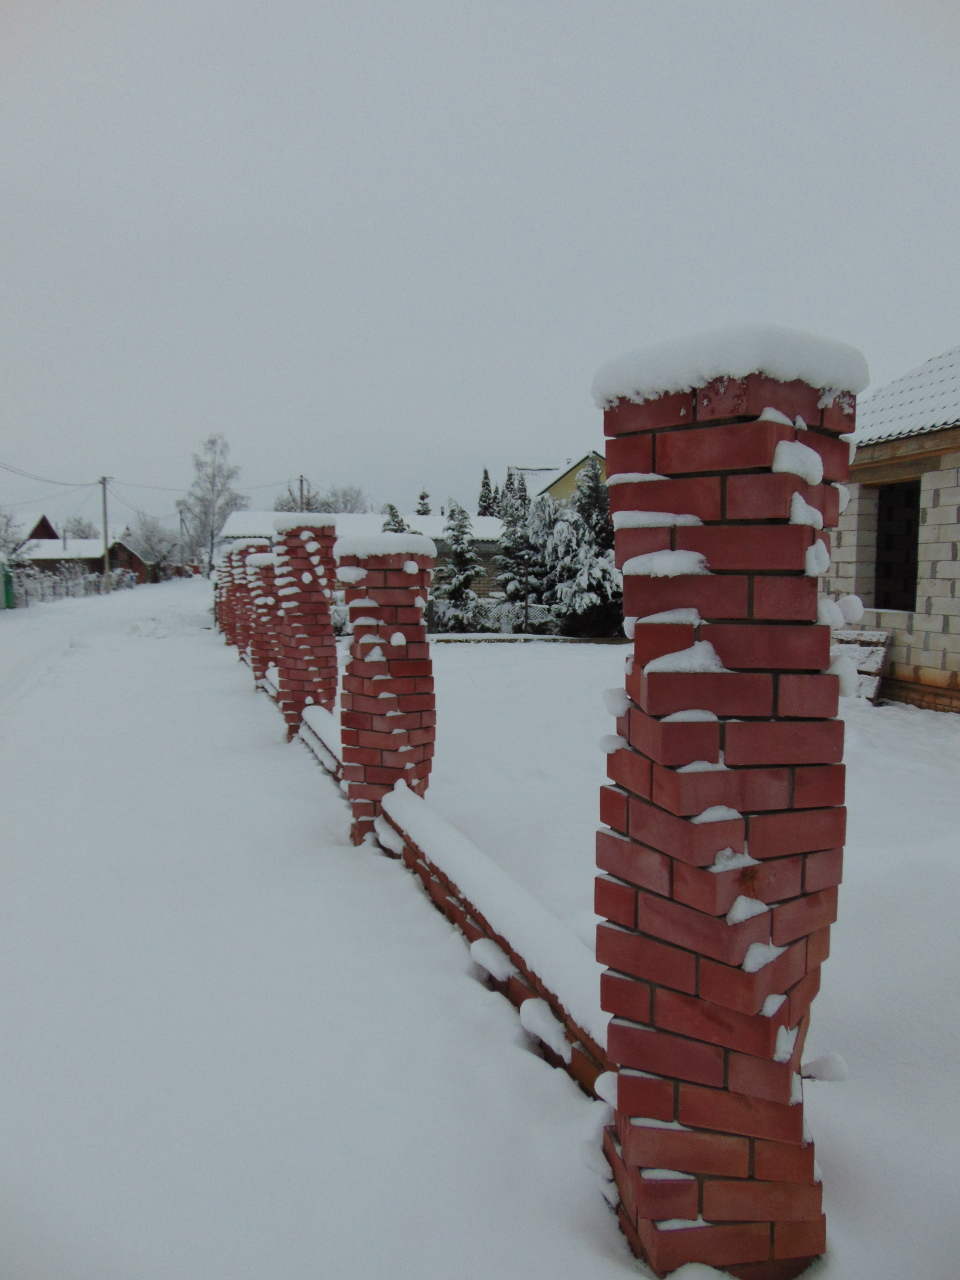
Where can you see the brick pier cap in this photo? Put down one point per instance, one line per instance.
(721, 853)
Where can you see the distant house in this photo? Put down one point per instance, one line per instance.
(87, 554)
(487, 532)
(561, 482)
(897, 543)
(36, 525)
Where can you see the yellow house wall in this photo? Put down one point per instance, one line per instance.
(563, 487)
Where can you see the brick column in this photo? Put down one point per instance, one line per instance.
(262, 640)
(722, 851)
(388, 712)
(243, 607)
(224, 601)
(303, 588)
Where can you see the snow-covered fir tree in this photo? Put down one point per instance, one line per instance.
(520, 560)
(485, 502)
(394, 522)
(509, 490)
(592, 501)
(496, 503)
(423, 503)
(521, 492)
(586, 590)
(455, 601)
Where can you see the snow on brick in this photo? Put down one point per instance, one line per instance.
(793, 458)
(384, 544)
(667, 564)
(650, 519)
(681, 364)
(701, 656)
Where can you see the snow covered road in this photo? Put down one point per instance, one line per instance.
(234, 1047)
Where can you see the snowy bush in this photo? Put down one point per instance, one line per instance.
(31, 586)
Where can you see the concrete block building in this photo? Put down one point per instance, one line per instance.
(897, 543)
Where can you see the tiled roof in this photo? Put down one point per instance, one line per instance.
(925, 399)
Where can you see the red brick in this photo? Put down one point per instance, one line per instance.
(695, 842)
(744, 548)
(714, 1246)
(663, 411)
(748, 397)
(800, 1239)
(654, 639)
(660, 1198)
(686, 794)
(835, 454)
(674, 742)
(731, 1200)
(768, 497)
(615, 900)
(796, 742)
(686, 1152)
(713, 595)
(818, 786)
(762, 788)
(664, 1055)
(784, 648)
(760, 1078)
(738, 1113)
(821, 870)
(636, 863)
(802, 996)
(739, 447)
(783, 1162)
(645, 1095)
(708, 935)
(804, 916)
(781, 599)
(729, 986)
(628, 543)
(715, 892)
(697, 497)
(630, 453)
(714, 1024)
(808, 696)
(775, 835)
(725, 694)
(613, 808)
(631, 770)
(840, 415)
(646, 958)
(627, 998)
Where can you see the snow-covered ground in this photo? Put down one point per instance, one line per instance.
(235, 1047)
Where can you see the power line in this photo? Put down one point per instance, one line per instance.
(65, 484)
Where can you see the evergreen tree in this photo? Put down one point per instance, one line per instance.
(496, 502)
(485, 504)
(509, 491)
(520, 560)
(394, 522)
(423, 505)
(521, 492)
(592, 502)
(455, 600)
(587, 588)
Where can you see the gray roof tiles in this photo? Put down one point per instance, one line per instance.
(925, 399)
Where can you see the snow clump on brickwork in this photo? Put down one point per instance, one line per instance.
(384, 544)
(733, 352)
(650, 519)
(666, 564)
(701, 656)
(796, 459)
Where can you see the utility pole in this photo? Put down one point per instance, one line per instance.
(106, 536)
(301, 508)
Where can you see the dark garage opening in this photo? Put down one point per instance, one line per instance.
(898, 532)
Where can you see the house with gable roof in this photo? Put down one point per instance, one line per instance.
(897, 543)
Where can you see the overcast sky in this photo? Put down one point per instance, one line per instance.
(389, 243)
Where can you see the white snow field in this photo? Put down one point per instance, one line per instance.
(236, 1048)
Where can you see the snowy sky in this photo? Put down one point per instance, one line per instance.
(389, 243)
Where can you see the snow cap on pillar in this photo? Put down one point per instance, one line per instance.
(682, 364)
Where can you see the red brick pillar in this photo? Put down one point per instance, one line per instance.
(721, 856)
(262, 640)
(225, 597)
(303, 588)
(388, 715)
(242, 596)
